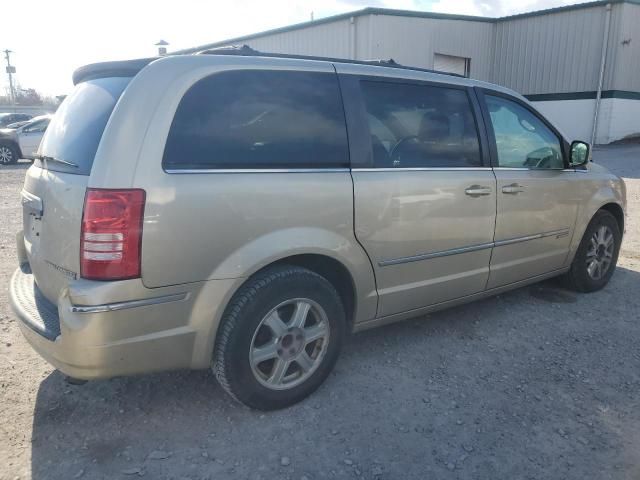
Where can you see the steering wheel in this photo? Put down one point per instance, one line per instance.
(399, 143)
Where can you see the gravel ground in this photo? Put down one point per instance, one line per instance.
(537, 383)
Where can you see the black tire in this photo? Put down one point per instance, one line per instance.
(578, 277)
(8, 154)
(242, 320)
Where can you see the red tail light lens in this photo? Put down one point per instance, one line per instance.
(111, 237)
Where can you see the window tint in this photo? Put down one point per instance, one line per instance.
(522, 139)
(420, 126)
(259, 119)
(75, 130)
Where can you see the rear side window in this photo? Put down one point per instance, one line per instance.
(77, 127)
(259, 119)
(414, 126)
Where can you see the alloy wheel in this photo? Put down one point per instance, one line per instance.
(600, 252)
(289, 344)
(6, 155)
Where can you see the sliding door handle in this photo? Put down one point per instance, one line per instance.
(513, 189)
(477, 191)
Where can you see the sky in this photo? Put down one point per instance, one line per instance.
(51, 38)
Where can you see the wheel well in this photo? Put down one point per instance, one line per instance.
(334, 271)
(615, 210)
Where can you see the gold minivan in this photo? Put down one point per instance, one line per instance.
(246, 211)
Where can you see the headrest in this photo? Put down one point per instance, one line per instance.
(434, 127)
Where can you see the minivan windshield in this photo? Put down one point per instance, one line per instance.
(73, 136)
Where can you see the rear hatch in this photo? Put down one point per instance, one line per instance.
(55, 186)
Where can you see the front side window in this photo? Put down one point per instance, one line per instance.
(259, 119)
(415, 126)
(522, 139)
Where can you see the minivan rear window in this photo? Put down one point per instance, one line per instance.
(257, 119)
(76, 129)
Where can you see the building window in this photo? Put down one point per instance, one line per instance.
(452, 64)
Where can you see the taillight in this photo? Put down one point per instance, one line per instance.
(111, 236)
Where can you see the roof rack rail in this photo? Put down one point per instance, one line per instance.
(247, 51)
(390, 62)
(243, 50)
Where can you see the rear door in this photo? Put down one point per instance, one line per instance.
(537, 204)
(54, 189)
(425, 197)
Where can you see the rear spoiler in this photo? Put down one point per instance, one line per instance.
(122, 68)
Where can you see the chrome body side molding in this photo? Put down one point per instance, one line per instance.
(563, 232)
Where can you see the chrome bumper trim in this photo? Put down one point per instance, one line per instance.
(112, 307)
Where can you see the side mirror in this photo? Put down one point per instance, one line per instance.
(580, 154)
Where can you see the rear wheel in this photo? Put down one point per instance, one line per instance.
(279, 338)
(8, 155)
(597, 255)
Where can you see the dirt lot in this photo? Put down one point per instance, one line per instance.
(538, 383)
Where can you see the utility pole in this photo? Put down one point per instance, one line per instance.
(10, 71)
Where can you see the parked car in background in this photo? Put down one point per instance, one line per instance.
(9, 118)
(15, 125)
(247, 212)
(23, 141)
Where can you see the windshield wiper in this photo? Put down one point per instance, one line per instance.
(47, 158)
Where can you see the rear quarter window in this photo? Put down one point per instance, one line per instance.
(75, 131)
(259, 119)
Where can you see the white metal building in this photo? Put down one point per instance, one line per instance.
(579, 63)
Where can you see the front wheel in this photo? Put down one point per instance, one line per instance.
(8, 155)
(279, 338)
(597, 255)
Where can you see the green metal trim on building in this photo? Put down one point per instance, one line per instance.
(549, 97)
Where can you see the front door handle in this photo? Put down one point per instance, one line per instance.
(513, 189)
(477, 191)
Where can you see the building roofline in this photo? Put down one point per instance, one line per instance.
(399, 13)
(566, 8)
(335, 18)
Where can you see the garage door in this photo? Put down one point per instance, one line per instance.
(451, 64)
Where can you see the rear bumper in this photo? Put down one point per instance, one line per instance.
(164, 331)
(31, 307)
